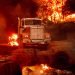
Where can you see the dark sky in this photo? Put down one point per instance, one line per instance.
(70, 6)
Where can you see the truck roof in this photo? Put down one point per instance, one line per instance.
(31, 19)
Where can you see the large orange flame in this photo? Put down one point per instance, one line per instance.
(52, 9)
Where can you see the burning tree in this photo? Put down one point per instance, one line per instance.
(52, 10)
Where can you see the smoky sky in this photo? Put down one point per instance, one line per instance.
(27, 6)
(69, 6)
(7, 8)
(8, 5)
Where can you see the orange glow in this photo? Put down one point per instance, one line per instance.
(52, 10)
(44, 66)
(70, 17)
(41, 71)
(13, 40)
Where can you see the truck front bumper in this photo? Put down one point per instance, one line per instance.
(36, 45)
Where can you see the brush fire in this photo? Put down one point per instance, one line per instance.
(13, 40)
(43, 69)
(52, 10)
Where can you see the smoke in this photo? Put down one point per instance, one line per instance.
(14, 8)
(27, 6)
(71, 4)
(2, 22)
(69, 7)
(31, 6)
(2, 28)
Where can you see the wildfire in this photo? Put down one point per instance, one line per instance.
(70, 17)
(13, 40)
(52, 10)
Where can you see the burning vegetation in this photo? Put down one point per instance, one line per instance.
(39, 70)
(13, 40)
(53, 11)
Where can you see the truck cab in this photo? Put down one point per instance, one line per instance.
(31, 31)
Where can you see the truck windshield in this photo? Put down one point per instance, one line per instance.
(32, 22)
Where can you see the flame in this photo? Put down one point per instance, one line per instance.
(70, 17)
(13, 40)
(53, 11)
(44, 66)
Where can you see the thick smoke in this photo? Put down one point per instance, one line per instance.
(14, 8)
(2, 28)
(26, 6)
(69, 7)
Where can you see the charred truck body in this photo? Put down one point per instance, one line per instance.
(32, 33)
